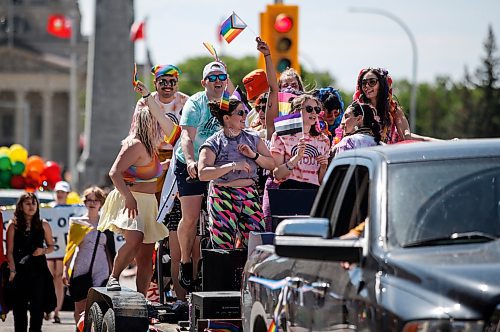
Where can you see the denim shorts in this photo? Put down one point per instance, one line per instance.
(185, 188)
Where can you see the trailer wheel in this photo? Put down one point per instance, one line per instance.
(94, 322)
(108, 322)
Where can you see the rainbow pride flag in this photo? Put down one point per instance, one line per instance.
(224, 101)
(272, 327)
(174, 135)
(135, 77)
(211, 50)
(232, 27)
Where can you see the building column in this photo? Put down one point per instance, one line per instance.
(21, 104)
(47, 127)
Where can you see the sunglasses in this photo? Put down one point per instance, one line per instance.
(310, 109)
(213, 78)
(164, 82)
(91, 201)
(240, 113)
(370, 81)
(259, 108)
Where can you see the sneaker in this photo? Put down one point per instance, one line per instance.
(113, 284)
(186, 276)
(57, 320)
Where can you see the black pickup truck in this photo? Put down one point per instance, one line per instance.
(426, 256)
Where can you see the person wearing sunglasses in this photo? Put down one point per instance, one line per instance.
(360, 128)
(229, 160)
(302, 158)
(80, 250)
(374, 87)
(197, 125)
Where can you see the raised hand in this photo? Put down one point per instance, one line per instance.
(141, 88)
(262, 46)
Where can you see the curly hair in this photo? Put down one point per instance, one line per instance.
(215, 110)
(297, 103)
(368, 112)
(36, 222)
(386, 105)
(145, 130)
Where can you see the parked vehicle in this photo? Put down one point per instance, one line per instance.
(9, 196)
(428, 258)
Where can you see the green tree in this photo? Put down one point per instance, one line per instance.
(484, 99)
(192, 70)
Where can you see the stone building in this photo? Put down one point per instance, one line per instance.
(35, 77)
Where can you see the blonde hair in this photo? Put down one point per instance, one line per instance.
(98, 192)
(292, 73)
(145, 130)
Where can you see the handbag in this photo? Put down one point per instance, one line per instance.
(79, 286)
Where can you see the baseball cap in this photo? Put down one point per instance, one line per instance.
(213, 67)
(160, 70)
(255, 83)
(62, 186)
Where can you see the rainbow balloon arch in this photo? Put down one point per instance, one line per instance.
(20, 171)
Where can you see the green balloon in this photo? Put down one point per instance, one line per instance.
(17, 167)
(5, 176)
(4, 163)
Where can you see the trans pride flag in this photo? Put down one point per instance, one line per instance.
(232, 27)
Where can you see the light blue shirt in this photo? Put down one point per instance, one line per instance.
(196, 113)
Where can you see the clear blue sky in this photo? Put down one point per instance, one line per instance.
(449, 33)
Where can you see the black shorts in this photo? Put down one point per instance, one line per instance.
(188, 188)
(173, 218)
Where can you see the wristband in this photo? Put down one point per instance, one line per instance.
(12, 271)
(257, 155)
(149, 94)
(288, 167)
(233, 165)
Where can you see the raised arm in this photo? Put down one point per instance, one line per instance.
(166, 124)
(272, 109)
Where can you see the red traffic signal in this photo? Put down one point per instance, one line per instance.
(283, 23)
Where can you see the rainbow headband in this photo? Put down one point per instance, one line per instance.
(160, 70)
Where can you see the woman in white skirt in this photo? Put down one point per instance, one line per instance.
(131, 208)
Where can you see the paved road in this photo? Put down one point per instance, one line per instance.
(67, 322)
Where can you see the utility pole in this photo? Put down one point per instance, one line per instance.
(73, 101)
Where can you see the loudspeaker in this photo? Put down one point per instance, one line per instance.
(222, 269)
(213, 305)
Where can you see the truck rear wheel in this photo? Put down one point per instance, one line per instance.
(108, 322)
(94, 322)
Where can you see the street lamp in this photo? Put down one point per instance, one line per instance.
(413, 100)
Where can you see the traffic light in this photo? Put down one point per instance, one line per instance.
(279, 27)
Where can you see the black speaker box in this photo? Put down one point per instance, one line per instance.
(222, 269)
(213, 305)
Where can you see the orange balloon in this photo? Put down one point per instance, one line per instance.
(35, 164)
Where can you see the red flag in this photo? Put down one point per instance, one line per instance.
(59, 26)
(137, 31)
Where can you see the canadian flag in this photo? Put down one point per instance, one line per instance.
(137, 31)
(59, 26)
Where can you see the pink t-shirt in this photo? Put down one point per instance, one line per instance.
(308, 167)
